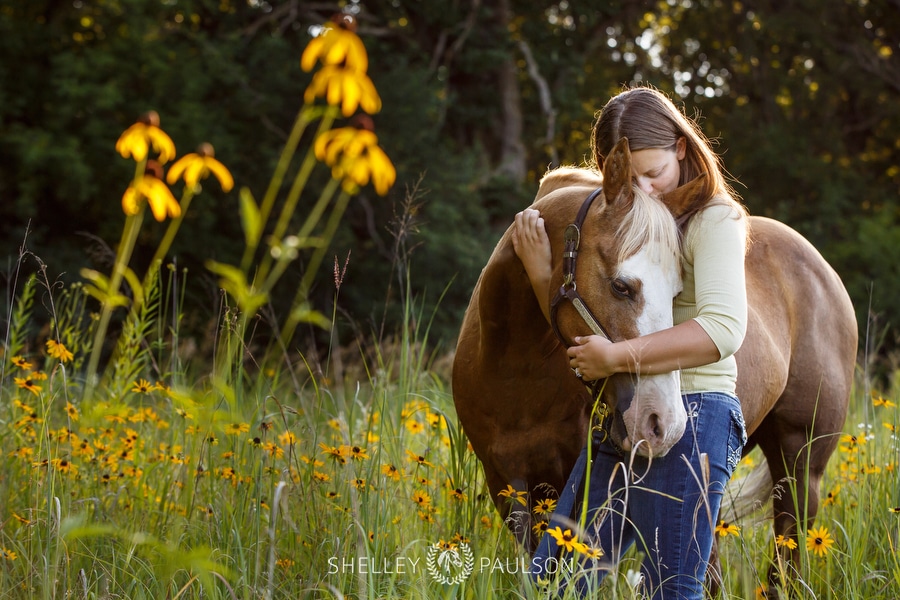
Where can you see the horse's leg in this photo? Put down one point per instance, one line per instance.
(797, 465)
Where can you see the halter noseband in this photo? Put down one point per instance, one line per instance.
(568, 290)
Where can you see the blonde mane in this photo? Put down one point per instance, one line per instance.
(649, 225)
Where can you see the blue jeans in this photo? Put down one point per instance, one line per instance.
(666, 505)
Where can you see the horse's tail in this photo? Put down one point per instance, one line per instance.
(747, 494)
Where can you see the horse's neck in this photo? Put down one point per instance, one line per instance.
(511, 318)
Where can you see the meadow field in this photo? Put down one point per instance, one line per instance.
(260, 471)
(345, 478)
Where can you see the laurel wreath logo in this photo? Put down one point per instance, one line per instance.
(450, 566)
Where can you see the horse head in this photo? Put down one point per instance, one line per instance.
(627, 271)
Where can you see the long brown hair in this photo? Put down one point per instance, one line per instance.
(649, 119)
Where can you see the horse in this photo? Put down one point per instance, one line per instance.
(527, 415)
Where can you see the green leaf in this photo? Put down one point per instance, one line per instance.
(250, 218)
(305, 314)
(233, 281)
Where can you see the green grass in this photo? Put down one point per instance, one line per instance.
(295, 485)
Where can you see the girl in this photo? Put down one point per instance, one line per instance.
(667, 505)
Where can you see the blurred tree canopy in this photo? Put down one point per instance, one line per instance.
(480, 97)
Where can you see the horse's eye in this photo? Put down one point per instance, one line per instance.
(621, 289)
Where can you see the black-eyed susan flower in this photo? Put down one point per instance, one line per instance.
(137, 140)
(359, 483)
(513, 494)
(458, 494)
(151, 187)
(878, 400)
(851, 443)
(357, 453)
(72, 411)
(287, 439)
(315, 462)
(198, 165)
(65, 466)
(538, 528)
(592, 553)
(414, 426)
(273, 450)
(391, 472)
(426, 516)
(544, 507)
(28, 383)
(20, 362)
(59, 351)
(22, 452)
(566, 539)
(724, 528)
(832, 497)
(895, 510)
(142, 386)
(785, 542)
(8, 555)
(418, 459)
(336, 44)
(348, 88)
(421, 498)
(336, 453)
(237, 428)
(355, 157)
(321, 477)
(819, 541)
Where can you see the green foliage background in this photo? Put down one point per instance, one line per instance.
(802, 96)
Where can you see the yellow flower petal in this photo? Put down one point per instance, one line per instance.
(135, 142)
(194, 167)
(178, 167)
(162, 202)
(130, 201)
(162, 143)
(222, 174)
(335, 46)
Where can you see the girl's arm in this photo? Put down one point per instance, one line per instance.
(532, 245)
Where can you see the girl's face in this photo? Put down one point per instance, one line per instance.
(656, 170)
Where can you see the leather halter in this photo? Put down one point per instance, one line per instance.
(568, 290)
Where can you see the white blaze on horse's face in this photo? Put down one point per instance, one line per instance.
(655, 418)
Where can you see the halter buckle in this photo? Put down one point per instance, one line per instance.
(572, 236)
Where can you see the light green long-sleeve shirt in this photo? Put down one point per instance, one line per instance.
(714, 292)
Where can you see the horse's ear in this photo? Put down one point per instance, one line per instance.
(681, 199)
(617, 174)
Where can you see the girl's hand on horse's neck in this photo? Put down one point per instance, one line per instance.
(683, 346)
(532, 246)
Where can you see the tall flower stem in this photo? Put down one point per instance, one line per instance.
(305, 117)
(312, 268)
(166, 243)
(123, 256)
(293, 197)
